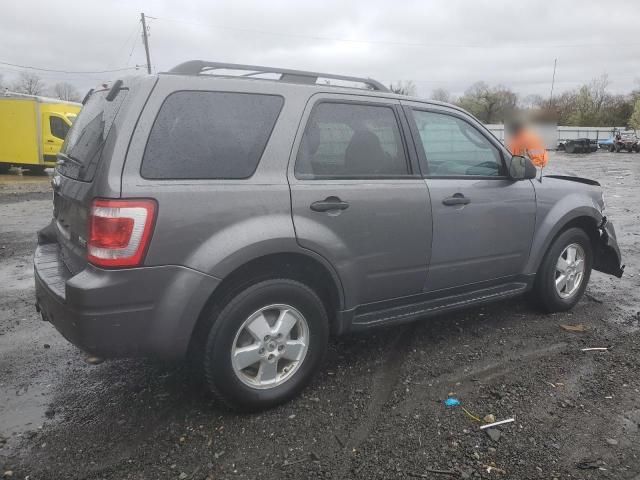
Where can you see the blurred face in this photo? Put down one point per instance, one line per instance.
(514, 129)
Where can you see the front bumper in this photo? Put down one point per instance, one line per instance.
(147, 311)
(607, 257)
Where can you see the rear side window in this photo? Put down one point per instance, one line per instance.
(209, 135)
(85, 140)
(346, 140)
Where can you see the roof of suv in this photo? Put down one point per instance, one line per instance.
(300, 77)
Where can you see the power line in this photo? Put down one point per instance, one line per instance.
(66, 71)
(392, 43)
(133, 47)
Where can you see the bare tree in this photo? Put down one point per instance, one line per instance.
(66, 91)
(403, 88)
(489, 104)
(590, 101)
(531, 101)
(441, 95)
(29, 83)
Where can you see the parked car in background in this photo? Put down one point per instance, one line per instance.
(578, 145)
(627, 140)
(606, 143)
(32, 130)
(239, 221)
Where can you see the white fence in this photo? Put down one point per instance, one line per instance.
(553, 134)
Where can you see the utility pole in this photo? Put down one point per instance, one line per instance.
(145, 40)
(553, 80)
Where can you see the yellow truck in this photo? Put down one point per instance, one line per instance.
(32, 130)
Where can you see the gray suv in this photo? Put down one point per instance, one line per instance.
(240, 220)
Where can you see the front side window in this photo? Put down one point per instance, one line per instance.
(209, 135)
(58, 127)
(454, 147)
(346, 140)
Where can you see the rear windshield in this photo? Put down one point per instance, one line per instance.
(209, 135)
(85, 141)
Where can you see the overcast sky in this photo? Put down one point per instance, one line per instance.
(443, 43)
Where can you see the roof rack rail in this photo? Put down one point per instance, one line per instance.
(197, 67)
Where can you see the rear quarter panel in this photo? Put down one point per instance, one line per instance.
(215, 226)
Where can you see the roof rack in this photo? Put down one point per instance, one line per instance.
(198, 67)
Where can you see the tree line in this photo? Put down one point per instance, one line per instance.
(31, 84)
(590, 105)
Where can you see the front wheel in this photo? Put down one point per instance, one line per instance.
(266, 344)
(565, 270)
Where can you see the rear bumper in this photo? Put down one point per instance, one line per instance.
(607, 255)
(147, 311)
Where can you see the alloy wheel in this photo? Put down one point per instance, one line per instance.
(570, 270)
(270, 346)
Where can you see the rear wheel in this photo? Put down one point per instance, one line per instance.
(564, 272)
(4, 168)
(265, 344)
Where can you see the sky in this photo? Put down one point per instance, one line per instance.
(434, 43)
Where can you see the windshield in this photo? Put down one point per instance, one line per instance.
(83, 146)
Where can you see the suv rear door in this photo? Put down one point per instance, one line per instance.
(357, 197)
(92, 157)
(483, 222)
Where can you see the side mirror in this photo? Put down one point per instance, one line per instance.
(521, 168)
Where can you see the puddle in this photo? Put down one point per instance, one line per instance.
(23, 407)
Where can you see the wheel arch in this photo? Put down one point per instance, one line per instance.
(587, 219)
(307, 268)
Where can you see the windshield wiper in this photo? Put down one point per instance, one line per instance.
(64, 158)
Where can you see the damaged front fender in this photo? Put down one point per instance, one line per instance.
(607, 258)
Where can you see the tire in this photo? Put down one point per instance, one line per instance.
(238, 326)
(612, 148)
(570, 148)
(4, 168)
(545, 293)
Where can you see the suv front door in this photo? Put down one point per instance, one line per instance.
(357, 197)
(483, 222)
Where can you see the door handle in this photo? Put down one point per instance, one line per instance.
(49, 141)
(456, 199)
(328, 204)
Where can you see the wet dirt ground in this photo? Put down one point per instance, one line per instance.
(376, 409)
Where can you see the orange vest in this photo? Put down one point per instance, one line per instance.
(529, 144)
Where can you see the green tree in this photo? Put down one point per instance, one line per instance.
(634, 120)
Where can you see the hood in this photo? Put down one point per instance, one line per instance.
(586, 181)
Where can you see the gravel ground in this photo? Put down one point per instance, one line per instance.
(375, 411)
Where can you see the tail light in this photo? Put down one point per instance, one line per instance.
(120, 231)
